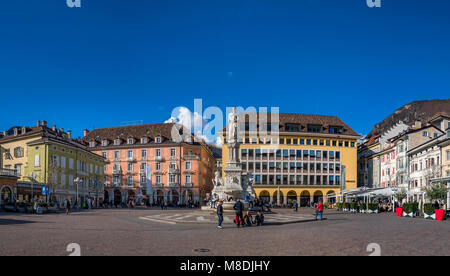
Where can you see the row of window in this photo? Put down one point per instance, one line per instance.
(85, 183)
(291, 127)
(429, 163)
(143, 166)
(292, 166)
(298, 180)
(286, 153)
(298, 141)
(130, 153)
(130, 141)
(173, 179)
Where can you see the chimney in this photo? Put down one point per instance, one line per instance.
(85, 132)
(54, 128)
(61, 130)
(5, 133)
(24, 130)
(417, 124)
(44, 123)
(38, 123)
(69, 134)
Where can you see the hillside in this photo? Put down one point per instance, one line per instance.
(419, 110)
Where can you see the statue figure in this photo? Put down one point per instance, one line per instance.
(217, 180)
(232, 126)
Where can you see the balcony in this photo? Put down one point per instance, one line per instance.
(117, 171)
(158, 185)
(116, 184)
(191, 157)
(8, 173)
(131, 159)
(159, 158)
(188, 185)
(174, 170)
(174, 185)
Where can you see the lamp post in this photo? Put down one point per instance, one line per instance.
(77, 182)
(32, 177)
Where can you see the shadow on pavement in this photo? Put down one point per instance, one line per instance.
(13, 221)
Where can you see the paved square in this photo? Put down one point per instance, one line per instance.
(124, 232)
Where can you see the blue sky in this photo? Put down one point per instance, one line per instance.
(115, 61)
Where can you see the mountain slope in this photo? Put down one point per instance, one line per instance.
(419, 110)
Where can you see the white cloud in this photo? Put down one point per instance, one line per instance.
(189, 120)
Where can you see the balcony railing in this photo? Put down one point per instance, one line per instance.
(8, 172)
(191, 157)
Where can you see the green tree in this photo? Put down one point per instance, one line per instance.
(400, 195)
(436, 191)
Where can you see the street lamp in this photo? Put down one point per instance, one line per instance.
(32, 177)
(77, 182)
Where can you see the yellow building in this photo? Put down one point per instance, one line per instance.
(14, 150)
(297, 158)
(49, 158)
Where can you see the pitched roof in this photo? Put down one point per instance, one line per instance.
(304, 120)
(439, 115)
(139, 131)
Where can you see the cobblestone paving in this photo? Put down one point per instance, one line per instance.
(122, 232)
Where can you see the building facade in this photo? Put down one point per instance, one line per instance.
(8, 180)
(146, 165)
(49, 158)
(303, 158)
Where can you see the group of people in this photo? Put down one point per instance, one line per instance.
(240, 219)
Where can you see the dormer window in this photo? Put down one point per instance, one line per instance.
(335, 130)
(92, 144)
(130, 141)
(144, 140)
(158, 140)
(117, 142)
(293, 127)
(104, 143)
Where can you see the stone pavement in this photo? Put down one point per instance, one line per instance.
(122, 232)
(204, 217)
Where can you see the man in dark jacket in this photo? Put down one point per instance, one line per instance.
(239, 208)
(220, 214)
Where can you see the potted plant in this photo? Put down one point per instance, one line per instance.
(346, 206)
(410, 209)
(437, 192)
(340, 206)
(429, 211)
(373, 208)
(353, 207)
(400, 196)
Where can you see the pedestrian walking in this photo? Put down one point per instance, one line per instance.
(67, 207)
(319, 210)
(239, 208)
(296, 206)
(220, 214)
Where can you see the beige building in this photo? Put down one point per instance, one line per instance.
(445, 148)
(14, 150)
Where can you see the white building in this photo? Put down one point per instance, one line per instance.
(425, 164)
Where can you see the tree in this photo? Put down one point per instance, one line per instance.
(400, 195)
(436, 191)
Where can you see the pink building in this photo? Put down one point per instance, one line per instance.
(144, 164)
